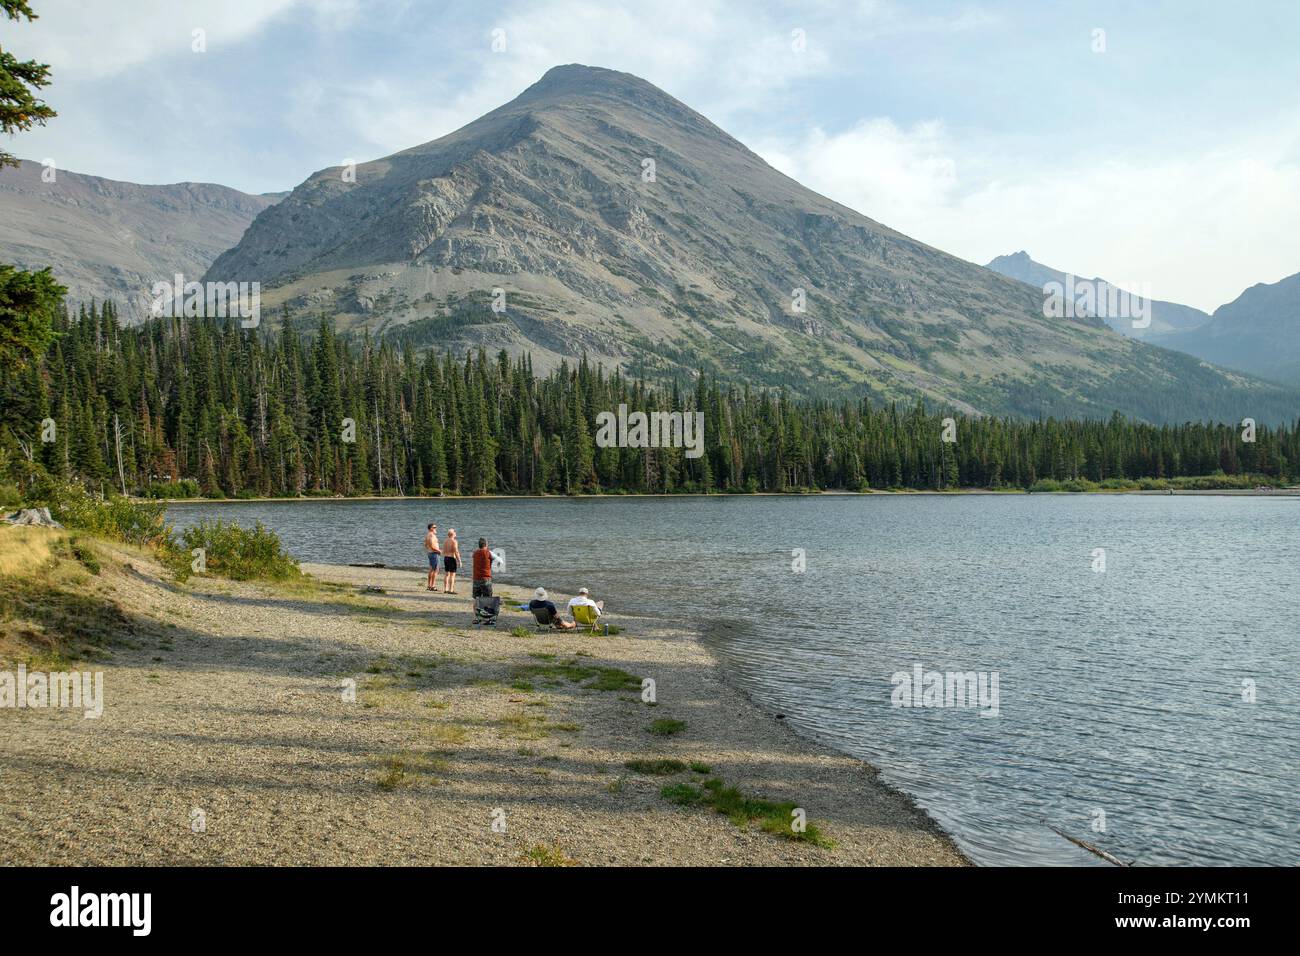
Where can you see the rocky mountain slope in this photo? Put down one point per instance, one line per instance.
(109, 239)
(617, 222)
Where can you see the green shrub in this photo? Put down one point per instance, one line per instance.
(185, 488)
(82, 553)
(232, 551)
(10, 496)
(661, 767)
(1124, 484)
(113, 517)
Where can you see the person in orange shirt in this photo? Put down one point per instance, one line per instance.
(482, 570)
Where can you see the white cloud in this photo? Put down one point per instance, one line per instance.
(81, 40)
(739, 55)
(1199, 228)
(696, 42)
(886, 172)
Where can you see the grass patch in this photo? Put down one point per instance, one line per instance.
(587, 676)
(771, 816)
(406, 770)
(448, 733)
(542, 855)
(82, 552)
(523, 727)
(666, 727)
(699, 767)
(655, 768)
(520, 632)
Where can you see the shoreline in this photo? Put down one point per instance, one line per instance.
(224, 697)
(1288, 492)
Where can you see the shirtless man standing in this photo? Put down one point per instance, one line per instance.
(450, 561)
(431, 548)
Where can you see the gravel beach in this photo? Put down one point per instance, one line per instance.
(228, 736)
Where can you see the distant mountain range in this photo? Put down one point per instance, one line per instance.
(1258, 333)
(596, 215)
(1166, 317)
(108, 239)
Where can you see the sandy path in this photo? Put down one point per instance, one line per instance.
(232, 705)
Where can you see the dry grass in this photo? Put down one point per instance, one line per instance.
(56, 596)
(26, 549)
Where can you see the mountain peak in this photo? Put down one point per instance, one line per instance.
(574, 82)
(579, 78)
(1015, 258)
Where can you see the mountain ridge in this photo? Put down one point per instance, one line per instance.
(1258, 332)
(1166, 317)
(110, 239)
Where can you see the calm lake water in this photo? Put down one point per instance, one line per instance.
(1121, 694)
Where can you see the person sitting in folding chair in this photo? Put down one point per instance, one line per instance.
(585, 611)
(546, 613)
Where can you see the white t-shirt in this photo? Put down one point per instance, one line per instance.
(583, 601)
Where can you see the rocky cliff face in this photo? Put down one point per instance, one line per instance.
(112, 240)
(595, 213)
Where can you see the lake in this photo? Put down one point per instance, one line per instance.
(1146, 649)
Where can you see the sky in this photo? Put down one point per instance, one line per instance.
(1153, 143)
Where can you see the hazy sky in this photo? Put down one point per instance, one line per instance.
(1171, 158)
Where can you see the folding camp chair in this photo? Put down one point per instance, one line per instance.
(486, 610)
(544, 617)
(586, 616)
